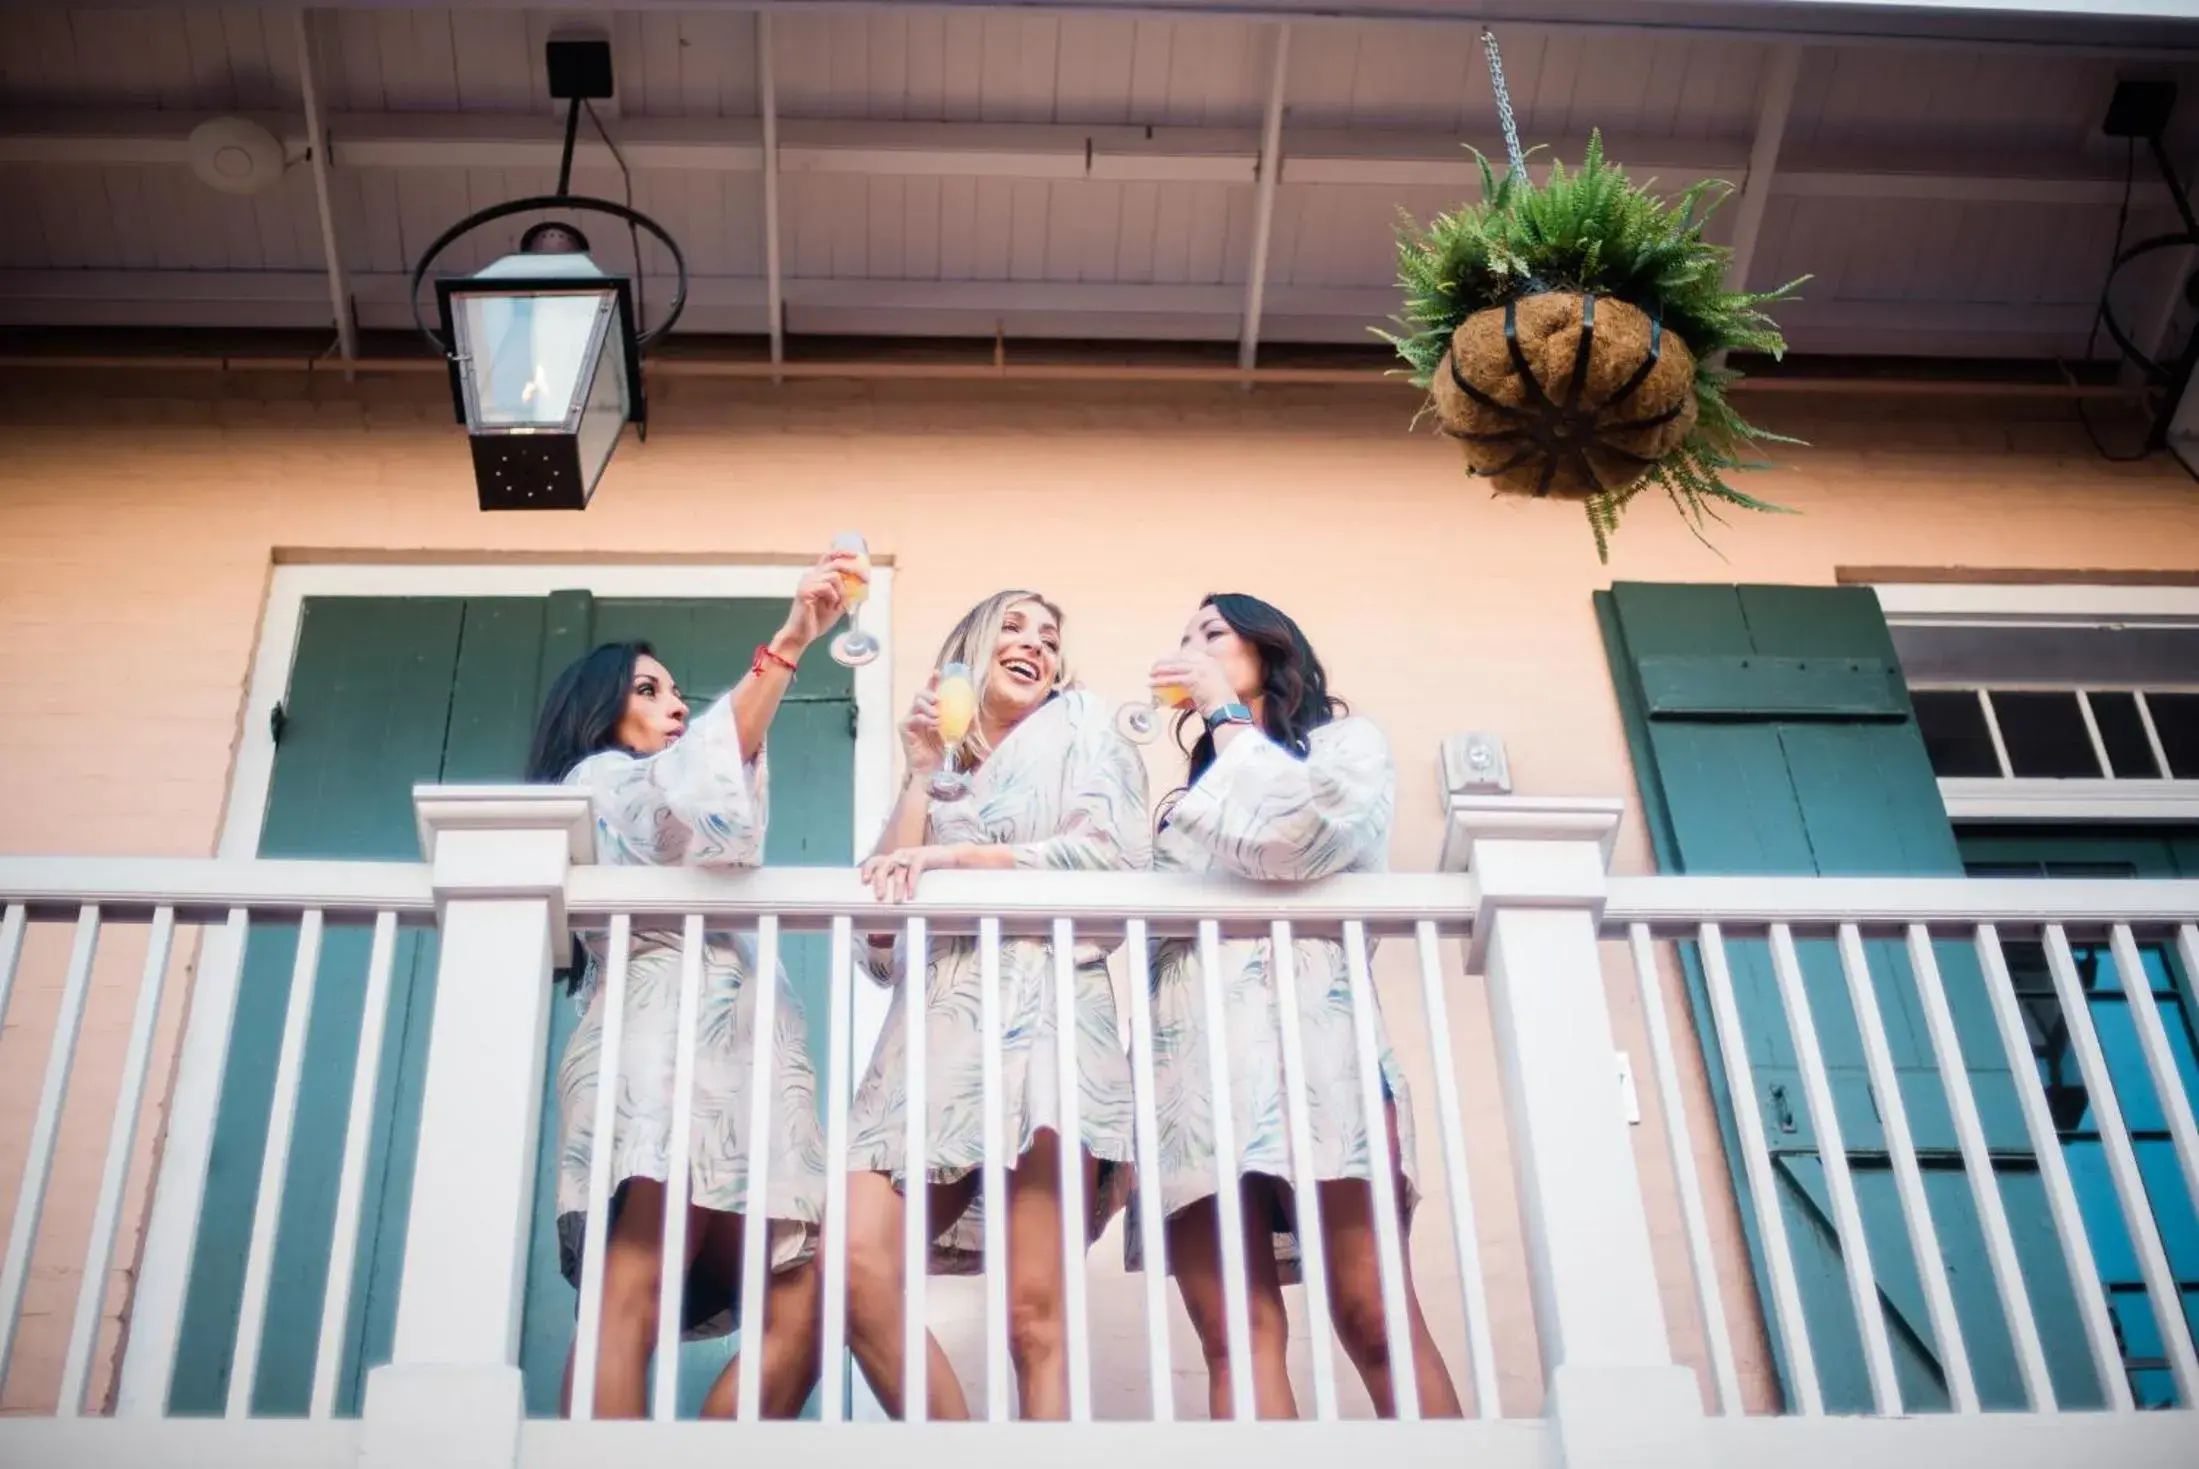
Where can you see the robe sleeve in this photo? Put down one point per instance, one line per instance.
(1104, 825)
(1263, 813)
(697, 804)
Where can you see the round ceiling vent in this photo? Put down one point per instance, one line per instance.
(235, 155)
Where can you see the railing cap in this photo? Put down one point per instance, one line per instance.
(1469, 820)
(441, 808)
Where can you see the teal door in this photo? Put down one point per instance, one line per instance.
(385, 693)
(1772, 733)
(2063, 851)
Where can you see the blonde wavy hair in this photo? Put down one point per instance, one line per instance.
(973, 643)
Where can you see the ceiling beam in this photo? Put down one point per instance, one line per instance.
(316, 138)
(1263, 199)
(1358, 158)
(1025, 309)
(2157, 31)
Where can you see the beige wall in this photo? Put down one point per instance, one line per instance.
(139, 518)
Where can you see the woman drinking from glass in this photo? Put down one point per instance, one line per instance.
(1284, 787)
(668, 791)
(1041, 781)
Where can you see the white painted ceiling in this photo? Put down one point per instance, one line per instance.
(1083, 172)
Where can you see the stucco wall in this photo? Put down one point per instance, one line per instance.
(139, 517)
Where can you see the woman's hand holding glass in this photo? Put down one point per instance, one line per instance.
(819, 600)
(921, 744)
(1186, 680)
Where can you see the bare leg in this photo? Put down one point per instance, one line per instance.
(876, 1290)
(1355, 1297)
(1194, 1247)
(632, 1279)
(792, 1328)
(1037, 1327)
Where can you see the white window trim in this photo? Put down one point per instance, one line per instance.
(2044, 605)
(156, 1306)
(2052, 605)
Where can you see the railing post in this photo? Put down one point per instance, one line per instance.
(1616, 1398)
(451, 1393)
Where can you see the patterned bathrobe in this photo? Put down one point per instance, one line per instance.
(1261, 812)
(696, 805)
(1065, 791)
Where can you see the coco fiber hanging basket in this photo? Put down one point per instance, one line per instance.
(1568, 334)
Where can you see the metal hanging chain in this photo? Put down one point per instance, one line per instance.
(1515, 159)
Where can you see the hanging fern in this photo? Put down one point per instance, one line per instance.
(1593, 231)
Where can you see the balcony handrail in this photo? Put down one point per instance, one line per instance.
(204, 889)
(1171, 904)
(1672, 903)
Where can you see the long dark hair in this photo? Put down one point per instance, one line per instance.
(1294, 687)
(580, 716)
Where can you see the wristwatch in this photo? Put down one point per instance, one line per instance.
(1231, 713)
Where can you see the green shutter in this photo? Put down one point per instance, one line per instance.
(1772, 733)
(386, 693)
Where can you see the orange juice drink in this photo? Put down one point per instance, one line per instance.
(957, 703)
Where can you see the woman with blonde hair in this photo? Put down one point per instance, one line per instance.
(1050, 785)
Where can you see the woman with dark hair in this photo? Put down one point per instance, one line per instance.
(669, 792)
(1283, 786)
(1052, 787)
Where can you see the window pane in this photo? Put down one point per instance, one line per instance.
(2050, 657)
(2103, 1217)
(2128, 751)
(2127, 1064)
(2176, 721)
(1955, 736)
(2179, 1043)
(2171, 1205)
(2151, 1382)
(2045, 735)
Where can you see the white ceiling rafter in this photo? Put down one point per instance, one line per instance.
(316, 139)
(1270, 171)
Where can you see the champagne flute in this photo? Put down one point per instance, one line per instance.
(957, 697)
(1139, 722)
(854, 648)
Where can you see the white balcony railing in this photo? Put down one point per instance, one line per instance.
(1531, 943)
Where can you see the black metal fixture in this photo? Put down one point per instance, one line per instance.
(544, 345)
(2139, 112)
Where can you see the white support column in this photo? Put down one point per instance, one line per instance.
(450, 1397)
(316, 141)
(767, 103)
(1263, 201)
(1616, 1398)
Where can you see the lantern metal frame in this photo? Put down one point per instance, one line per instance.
(634, 341)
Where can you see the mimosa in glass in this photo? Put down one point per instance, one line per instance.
(854, 648)
(957, 697)
(1139, 722)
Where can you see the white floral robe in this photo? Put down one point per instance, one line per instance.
(1261, 812)
(1066, 792)
(695, 805)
